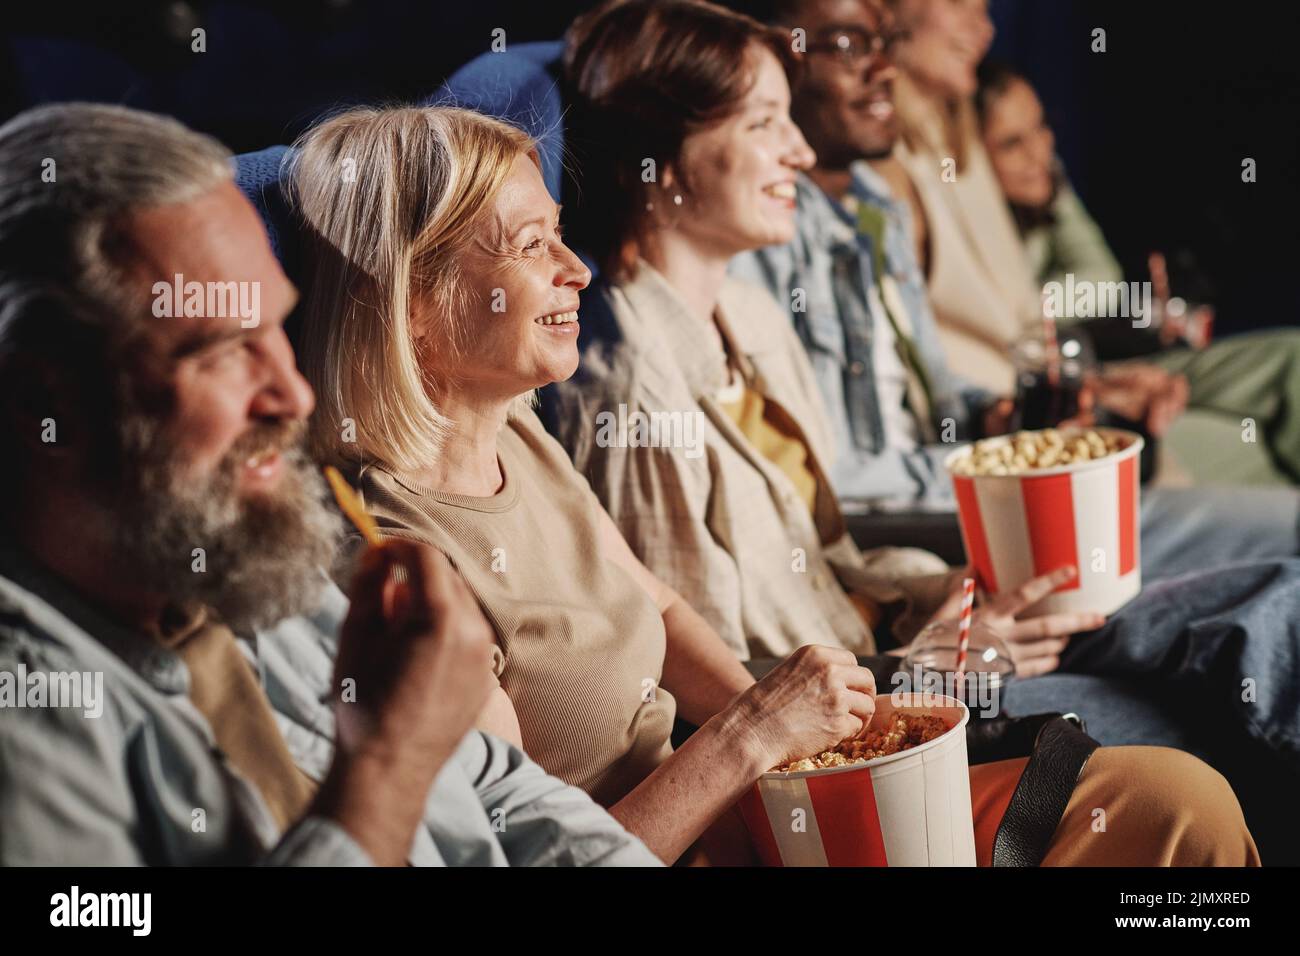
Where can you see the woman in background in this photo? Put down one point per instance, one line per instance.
(983, 293)
(1255, 376)
(1059, 235)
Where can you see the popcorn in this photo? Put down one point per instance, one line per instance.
(904, 732)
(1030, 451)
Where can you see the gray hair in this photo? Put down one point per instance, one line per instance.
(68, 171)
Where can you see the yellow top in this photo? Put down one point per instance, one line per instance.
(789, 452)
(748, 409)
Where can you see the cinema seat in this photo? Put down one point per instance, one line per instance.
(258, 176)
(522, 85)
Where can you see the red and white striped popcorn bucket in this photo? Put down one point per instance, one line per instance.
(911, 808)
(1086, 513)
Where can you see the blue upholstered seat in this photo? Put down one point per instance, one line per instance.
(258, 176)
(520, 84)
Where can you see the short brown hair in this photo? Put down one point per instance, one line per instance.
(643, 75)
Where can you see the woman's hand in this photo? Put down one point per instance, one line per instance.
(811, 701)
(1035, 643)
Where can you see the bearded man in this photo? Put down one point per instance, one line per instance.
(162, 531)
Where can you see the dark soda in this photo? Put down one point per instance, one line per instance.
(1044, 399)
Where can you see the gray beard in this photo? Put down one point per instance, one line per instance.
(263, 559)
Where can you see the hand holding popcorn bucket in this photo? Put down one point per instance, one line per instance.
(1032, 502)
(908, 808)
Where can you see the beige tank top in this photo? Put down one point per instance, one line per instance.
(582, 644)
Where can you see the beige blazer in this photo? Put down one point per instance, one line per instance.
(720, 523)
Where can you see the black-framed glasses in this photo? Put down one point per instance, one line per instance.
(857, 49)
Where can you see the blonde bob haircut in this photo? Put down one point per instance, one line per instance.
(391, 198)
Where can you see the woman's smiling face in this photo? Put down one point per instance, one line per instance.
(739, 175)
(1020, 145)
(519, 330)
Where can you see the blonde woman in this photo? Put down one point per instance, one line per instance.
(440, 295)
(983, 292)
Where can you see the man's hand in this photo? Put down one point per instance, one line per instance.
(417, 652)
(811, 701)
(1035, 643)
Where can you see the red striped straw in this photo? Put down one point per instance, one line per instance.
(963, 625)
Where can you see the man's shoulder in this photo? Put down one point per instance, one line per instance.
(871, 187)
(819, 231)
(34, 632)
(472, 781)
(62, 693)
(491, 765)
(483, 759)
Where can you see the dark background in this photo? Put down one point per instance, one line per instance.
(1153, 131)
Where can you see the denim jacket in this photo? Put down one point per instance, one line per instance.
(824, 276)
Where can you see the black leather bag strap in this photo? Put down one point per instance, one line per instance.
(1060, 753)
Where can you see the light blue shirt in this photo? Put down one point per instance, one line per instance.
(143, 783)
(825, 278)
